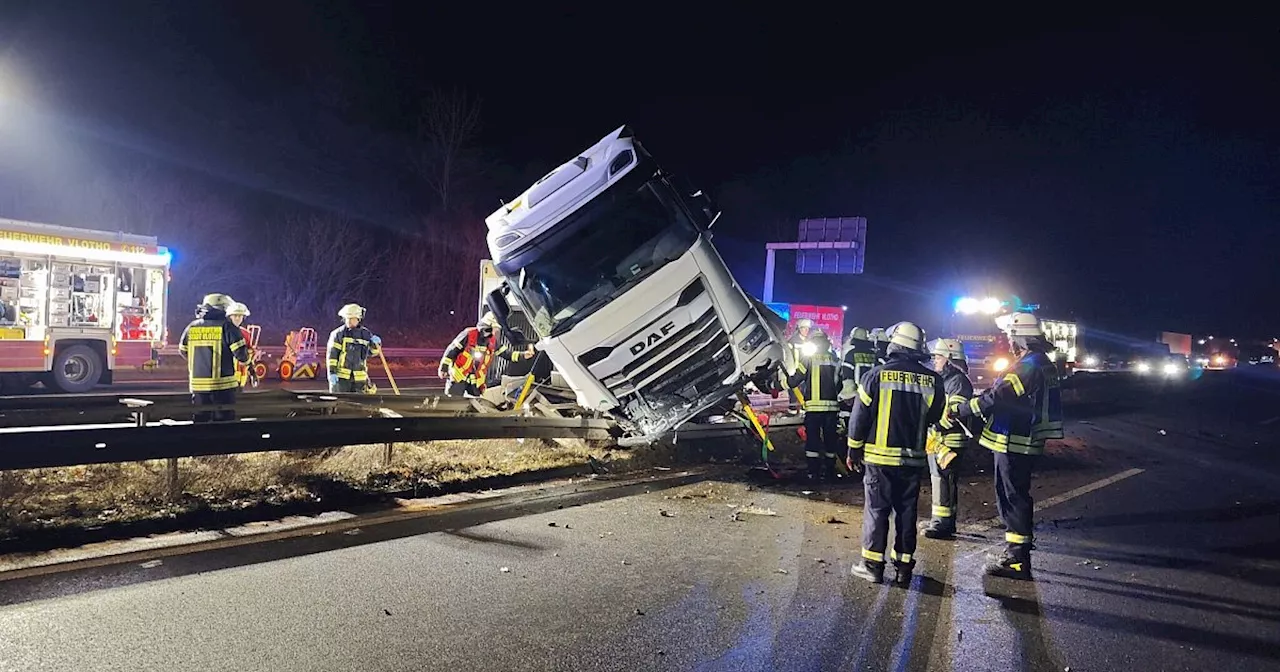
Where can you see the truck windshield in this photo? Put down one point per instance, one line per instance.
(599, 252)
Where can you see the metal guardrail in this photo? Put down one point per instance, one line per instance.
(390, 353)
(73, 447)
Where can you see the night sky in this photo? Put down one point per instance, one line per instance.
(1125, 173)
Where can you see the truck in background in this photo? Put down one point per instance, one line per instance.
(77, 304)
(610, 260)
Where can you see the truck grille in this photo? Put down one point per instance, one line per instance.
(691, 362)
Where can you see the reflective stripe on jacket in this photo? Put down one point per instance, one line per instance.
(349, 351)
(212, 345)
(897, 402)
(1023, 409)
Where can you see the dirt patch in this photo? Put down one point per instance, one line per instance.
(44, 508)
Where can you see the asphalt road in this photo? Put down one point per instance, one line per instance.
(1155, 551)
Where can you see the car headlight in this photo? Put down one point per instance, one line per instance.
(808, 349)
(1171, 369)
(1144, 367)
(1001, 364)
(1090, 361)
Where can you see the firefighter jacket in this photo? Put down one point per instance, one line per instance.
(1023, 409)
(212, 345)
(349, 351)
(959, 391)
(896, 403)
(857, 362)
(817, 377)
(469, 355)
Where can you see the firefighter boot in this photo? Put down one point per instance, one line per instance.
(814, 464)
(868, 570)
(902, 576)
(1011, 566)
(940, 528)
(829, 473)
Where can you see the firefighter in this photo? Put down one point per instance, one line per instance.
(879, 343)
(858, 360)
(236, 313)
(950, 439)
(816, 376)
(212, 345)
(466, 360)
(801, 347)
(1020, 411)
(896, 402)
(349, 348)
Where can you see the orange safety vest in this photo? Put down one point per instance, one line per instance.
(473, 365)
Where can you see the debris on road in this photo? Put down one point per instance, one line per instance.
(758, 511)
(505, 570)
(832, 520)
(152, 564)
(781, 571)
(666, 514)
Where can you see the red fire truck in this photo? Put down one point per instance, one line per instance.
(77, 304)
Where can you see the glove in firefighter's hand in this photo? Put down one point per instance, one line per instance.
(443, 372)
(333, 380)
(854, 461)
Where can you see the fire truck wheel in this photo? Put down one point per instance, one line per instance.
(76, 369)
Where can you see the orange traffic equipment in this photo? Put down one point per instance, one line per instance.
(300, 358)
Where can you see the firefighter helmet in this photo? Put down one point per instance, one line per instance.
(950, 348)
(858, 334)
(238, 308)
(805, 323)
(218, 301)
(488, 321)
(906, 334)
(877, 335)
(352, 310)
(1019, 324)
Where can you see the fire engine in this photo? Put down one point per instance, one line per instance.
(77, 304)
(988, 351)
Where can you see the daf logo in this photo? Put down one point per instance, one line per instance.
(639, 346)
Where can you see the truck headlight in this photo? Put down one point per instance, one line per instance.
(1144, 367)
(754, 340)
(1090, 361)
(1171, 369)
(1001, 364)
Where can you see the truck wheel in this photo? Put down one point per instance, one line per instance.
(76, 369)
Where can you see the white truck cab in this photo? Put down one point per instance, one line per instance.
(611, 262)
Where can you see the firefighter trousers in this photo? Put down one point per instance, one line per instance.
(216, 398)
(1013, 501)
(888, 490)
(345, 385)
(945, 491)
(821, 441)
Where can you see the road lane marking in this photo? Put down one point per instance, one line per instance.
(1085, 489)
(986, 525)
(1270, 421)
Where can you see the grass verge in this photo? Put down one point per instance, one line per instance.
(47, 508)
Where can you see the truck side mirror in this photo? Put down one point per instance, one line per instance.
(496, 301)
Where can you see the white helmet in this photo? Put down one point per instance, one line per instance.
(858, 334)
(218, 301)
(238, 308)
(488, 320)
(878, 335)
(805, 323)
(351, 310)
(907, 335)
(950, 348)
(1019, 324)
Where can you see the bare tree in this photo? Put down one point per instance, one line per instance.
(447, 127)
(321, 263)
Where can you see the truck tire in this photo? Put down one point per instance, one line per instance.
(76, 369)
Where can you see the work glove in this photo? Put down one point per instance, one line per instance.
(854, 461)
(333, 380)
(443, 372)
(376, 340)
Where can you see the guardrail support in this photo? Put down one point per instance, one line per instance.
(386, 453)
(171, 489)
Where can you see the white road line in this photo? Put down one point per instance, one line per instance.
(1270, 421)
(985, 525)
(1085, 489)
